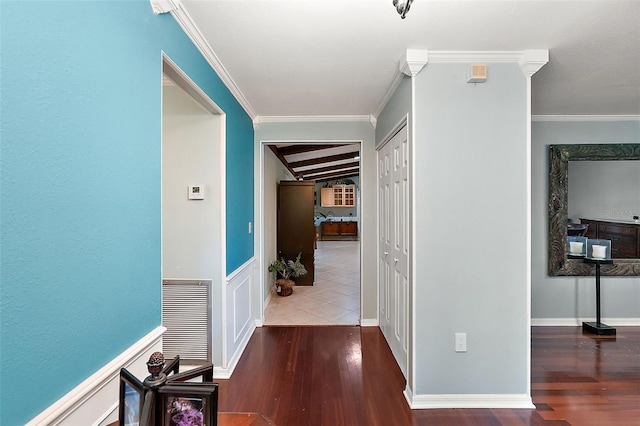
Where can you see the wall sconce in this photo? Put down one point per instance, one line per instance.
(402, 6)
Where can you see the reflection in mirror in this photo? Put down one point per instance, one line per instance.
(594, 201)
(604, 190)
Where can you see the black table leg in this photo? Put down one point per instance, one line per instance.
(598, 327)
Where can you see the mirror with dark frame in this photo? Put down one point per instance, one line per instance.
(559, 157)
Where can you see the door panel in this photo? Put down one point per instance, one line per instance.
(393, 245)
(296, 231)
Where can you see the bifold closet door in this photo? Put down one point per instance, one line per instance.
(393, 244)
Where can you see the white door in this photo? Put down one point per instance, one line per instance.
(393, 244)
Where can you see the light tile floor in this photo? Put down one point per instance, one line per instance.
(334, 299)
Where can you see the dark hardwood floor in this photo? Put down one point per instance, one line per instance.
(342, 375)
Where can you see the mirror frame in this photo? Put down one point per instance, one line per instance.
(559, 157)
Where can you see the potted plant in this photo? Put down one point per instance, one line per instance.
(286, 270)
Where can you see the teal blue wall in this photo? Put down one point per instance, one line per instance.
(80, 200)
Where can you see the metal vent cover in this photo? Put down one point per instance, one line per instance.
(186, 313)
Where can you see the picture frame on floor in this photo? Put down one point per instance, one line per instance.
(191, 404)
(131, 399)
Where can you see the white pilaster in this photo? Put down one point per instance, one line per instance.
(530, 62)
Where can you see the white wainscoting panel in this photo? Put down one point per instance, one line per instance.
(238, 321)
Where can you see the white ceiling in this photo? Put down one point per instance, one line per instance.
(339, 57)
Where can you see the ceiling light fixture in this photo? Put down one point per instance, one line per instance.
(402, 6)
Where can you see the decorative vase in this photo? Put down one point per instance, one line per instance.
(284, 287)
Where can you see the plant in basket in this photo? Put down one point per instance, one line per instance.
(286, 270)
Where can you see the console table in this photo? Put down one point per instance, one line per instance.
(598, 327)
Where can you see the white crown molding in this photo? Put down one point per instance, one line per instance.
(585, 118)
(453, 56)
(410, 64)
(495, 56)
(164, 6)
(179, 13)
(312, 119)
(395, 82)
(532, 60)
(373, 120)
(413, 61)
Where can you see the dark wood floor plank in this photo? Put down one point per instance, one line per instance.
(332, 376)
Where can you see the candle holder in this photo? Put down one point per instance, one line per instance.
(598, 249)
(576, 247)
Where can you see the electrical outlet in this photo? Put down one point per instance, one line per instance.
(461, 342)
(250, 227)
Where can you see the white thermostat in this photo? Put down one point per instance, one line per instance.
(196, 192)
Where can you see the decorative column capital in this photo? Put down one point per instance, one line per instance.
(413, 62)
(164, 6)
(532, 60)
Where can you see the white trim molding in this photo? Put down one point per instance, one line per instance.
(585, 118)
(391, 88)
(576, 322)
(413, 61)
(532, 60)
(512, 401)
(164, 6)
(92, 401)
(182, 17)
(257, 121)
(369, 322)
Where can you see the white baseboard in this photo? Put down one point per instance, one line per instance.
(92, 401)
(225, 373)
(369, 322)
(418, 402)
(574, 322)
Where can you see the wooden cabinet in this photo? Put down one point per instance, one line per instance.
(339, 229)
(349, 228)
(338, 196)
(625, 237)
(330, 228)
(326, 197)
(296, 230)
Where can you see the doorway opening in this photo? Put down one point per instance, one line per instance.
(335, 297)
(193, 220)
